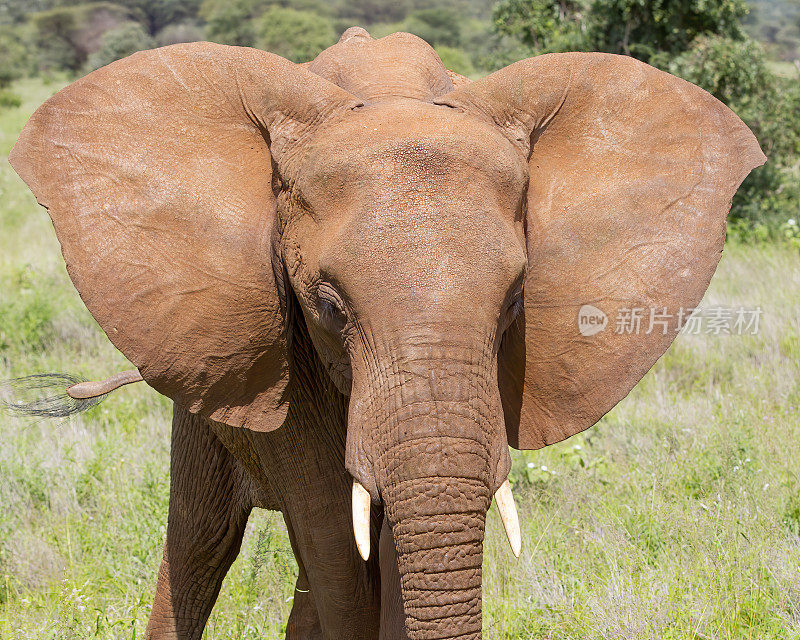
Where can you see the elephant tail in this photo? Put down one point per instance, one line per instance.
(58, 395)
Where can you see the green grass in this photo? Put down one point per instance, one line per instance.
(784, 69)
(677, 517)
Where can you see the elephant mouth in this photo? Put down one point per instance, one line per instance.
(504, 498)
(436, 490)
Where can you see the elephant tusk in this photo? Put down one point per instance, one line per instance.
(508, 514)
(361, 508)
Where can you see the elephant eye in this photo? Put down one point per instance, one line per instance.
(331, 317)
(513, 310)
(331, 310)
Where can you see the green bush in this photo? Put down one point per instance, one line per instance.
(15, 58)
(368, 12)
(456, 60)
(437, 26)
(296, 35)
(180, 32)
(731, 70)
(122, 41)
(66, 36)
(791, 232)
(543, 25)
(767, 198)
(155, 15)
(9, 99)
(659, 30)
(490, 50)
(736, 72)
(232, 21)
(237, 21)
(26, 321)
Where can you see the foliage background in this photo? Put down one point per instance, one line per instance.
(746, 55)
(678, 516)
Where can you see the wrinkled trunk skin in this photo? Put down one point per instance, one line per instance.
(438, 451)
(438, 531)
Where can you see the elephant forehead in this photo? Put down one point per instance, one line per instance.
(409, 138)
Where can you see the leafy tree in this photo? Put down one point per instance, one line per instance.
(732, 70)
(65, 36)
(736, 72)
(544, 25)
(703, 41)
(654, 30)
(456, 60)
(15, 58)
(232, 21)
(296, 35)
(157, 14)
(437, 26)
(367, 12)
(180, 32)
(119, 42)
(17, 11)
(651, 30)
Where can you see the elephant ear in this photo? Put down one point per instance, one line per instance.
(632, 172)
(156, 171)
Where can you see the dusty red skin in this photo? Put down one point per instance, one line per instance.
(369, 267)
(86, 390)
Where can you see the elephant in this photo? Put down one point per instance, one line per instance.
(361, 279)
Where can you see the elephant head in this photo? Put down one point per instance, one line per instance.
(437, 241)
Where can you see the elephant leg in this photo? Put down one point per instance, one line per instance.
(302, 464)
(338, 594)
(304, 621)
(393, 618)
(209, 504)
(342, 588)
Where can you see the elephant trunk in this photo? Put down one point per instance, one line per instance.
(438, 529)
(434, 445)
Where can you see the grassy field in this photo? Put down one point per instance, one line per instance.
(677, 517)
